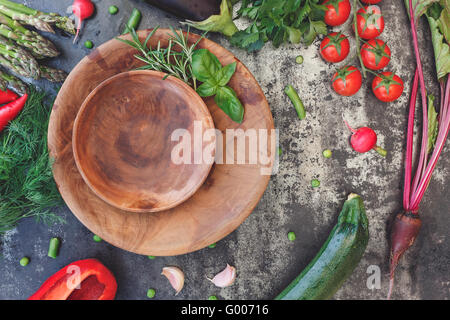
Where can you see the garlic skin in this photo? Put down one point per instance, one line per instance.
(175, 276)
(224, 278)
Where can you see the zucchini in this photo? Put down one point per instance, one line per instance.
(337, 258)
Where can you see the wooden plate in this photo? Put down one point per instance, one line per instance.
(220, 205)
(122, 141)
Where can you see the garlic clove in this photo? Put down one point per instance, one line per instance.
(175, 277)
(224, 278)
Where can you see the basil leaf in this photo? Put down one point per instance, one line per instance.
(205, 65)
(224, 75)
(228, 101)
(207, 89)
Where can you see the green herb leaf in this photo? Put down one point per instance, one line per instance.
(205, 65)
(224, 75)
(441, 49)
(314, 28)
(227, 100)
(207, 89)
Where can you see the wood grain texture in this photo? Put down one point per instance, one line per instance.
(220, 205)
(122, 141)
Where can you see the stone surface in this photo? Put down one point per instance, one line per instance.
(265, 259)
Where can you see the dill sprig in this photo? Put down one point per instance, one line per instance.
(175, 60)
(27, 187)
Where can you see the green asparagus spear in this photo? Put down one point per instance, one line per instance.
(52, 74)
(12, 82)
(27, 19)
(18, 60)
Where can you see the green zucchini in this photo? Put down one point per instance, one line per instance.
(337, 258)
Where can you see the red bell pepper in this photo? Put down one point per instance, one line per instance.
(81, 280)
(9, 111)
(7, 96)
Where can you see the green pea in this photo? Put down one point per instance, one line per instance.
(151, 257)
(212, 298)
(113, 9)
(291, 236)
(299, 59)
(24, 261)
(151, 293)
(327, 153)
(212, 245)
(96, 238)
(315, 183)
(88, 44)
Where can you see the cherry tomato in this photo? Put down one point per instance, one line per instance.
(337, 12)
(375, 54)
(370, 22)
(334, 47)
(387, 86)
(371, 1)
(347, 81)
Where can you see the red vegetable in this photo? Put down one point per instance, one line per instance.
(364, 139)
(7, 96)
(83, 9)
(9, 111)
(85, 279)
(334, 47)
(347, 81)
(370, 22)
(337, 12)
(375, 54)
(387, 86)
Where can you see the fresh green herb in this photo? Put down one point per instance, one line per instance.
(208, 69)
(212, 245)
(133, 21)
(212, 298)
(291, 236)
(151, 257)
(89, 44)
(279, 21)
(175, 60)
(27, 187)
(327, 153)
(151, 293)
(296, 101)
(315, 183)
(299, 59)
(24, 261)
(97, 238)
(113, 9)
(53, 248)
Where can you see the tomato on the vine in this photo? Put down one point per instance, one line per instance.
(337, 12)
(347, 81)
(375, 54)
(387, 86)
(371, 1)
(370, 22)
(334, 47)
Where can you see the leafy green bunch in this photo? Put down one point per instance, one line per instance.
(27, 187)
(279, 21)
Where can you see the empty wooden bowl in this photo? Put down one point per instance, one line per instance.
(122, 141)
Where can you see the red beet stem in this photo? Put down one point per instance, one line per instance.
(404, 231)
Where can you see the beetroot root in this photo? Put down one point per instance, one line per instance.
(404, 231)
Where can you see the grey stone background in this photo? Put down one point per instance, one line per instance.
(265, 260)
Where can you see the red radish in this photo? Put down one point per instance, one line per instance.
(83, 9)
(364, 139)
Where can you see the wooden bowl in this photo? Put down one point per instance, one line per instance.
(122, 141)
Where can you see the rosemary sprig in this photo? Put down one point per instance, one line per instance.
(27, 188)
(175, 60)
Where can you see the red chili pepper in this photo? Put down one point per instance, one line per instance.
(7, 96)
(85, 279)
(9, 111)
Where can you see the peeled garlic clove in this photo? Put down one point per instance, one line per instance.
(224, 278)
(175, 277)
